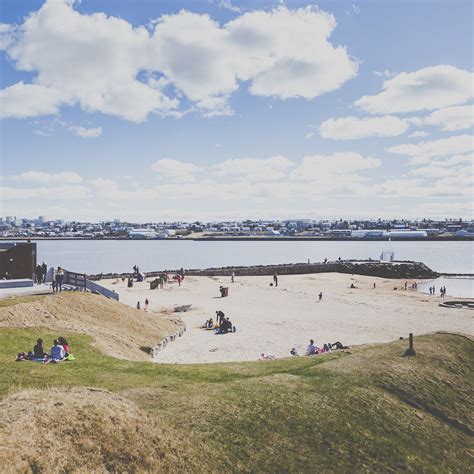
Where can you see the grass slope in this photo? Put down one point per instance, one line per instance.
(117, 329)
(367, 410)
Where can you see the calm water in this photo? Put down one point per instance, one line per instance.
(463, 287)
(95, 256)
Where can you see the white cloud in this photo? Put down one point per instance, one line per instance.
(452, 118)
(450, 161)
(426, 89)
(39, 177)
(108, 54)
(67, 192)
(419, 134)
(227, 5)
(269, 187)
(282, 53)
(175, 170)
(321, 167)
(384, 73)
(253, 169)
(423, 151)
(84, 132)
(7, 35)
(431, 172)
(287, 53)
(350, 128)
(29, 100)
(354, 10)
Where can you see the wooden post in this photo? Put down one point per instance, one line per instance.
(410, 351)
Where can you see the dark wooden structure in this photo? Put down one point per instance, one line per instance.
(18, 260)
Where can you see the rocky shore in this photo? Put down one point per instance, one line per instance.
(375, 268)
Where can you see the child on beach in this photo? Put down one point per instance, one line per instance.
(311, 349)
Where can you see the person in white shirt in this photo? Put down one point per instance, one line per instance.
(311, 349)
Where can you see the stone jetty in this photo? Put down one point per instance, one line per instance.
(375, 268)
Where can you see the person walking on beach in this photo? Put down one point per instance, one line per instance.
(138, 305)
(232, 277)
(275, 279)
(320, 296)
(146, 304)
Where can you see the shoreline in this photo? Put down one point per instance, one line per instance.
(254, 239)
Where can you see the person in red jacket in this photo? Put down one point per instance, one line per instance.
(65, 345)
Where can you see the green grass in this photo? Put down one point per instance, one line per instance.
(371, 410)
(13, 300)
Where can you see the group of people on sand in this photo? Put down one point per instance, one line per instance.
(442, 291)
(413, 286)
(313, 349)
(60, 351)
(222, 325)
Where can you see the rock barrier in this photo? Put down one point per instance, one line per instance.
(375, 268)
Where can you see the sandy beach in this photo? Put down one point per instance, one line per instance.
(273, 319)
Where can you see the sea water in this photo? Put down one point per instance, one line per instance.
(110, 256)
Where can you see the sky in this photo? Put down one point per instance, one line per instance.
(216, 109)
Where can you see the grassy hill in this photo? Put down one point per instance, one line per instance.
(367, 409)
(117, 329)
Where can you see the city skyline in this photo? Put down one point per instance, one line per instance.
(219, 110)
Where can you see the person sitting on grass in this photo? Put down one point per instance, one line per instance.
(65, 345)
(38, 351)
(57, 352)
(311, 349)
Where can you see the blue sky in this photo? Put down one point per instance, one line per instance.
(210, 109)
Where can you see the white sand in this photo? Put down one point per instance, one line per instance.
(273, 320)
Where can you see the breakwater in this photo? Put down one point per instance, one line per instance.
(375, 268)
